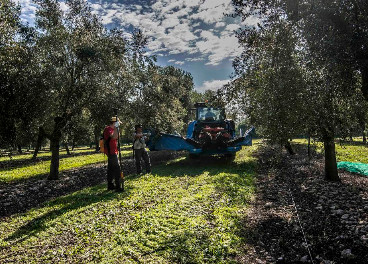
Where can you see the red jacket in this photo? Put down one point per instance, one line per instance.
(108, 132)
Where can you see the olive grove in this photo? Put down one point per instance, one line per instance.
(303, 70)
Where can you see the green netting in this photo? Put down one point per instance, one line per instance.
(356, 167)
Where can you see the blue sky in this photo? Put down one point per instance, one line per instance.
(190, 34)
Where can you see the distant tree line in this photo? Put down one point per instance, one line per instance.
(303, 70)
(61, 79)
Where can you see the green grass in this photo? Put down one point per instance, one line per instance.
(43, 154)
(43, 167)
(345, 151)
(185, 212)
(352, 153)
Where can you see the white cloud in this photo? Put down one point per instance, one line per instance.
(195, 59)
(28, 10)
(196, 24)
(109, 16)
(218, 48)
(220, 24)
(170, 22)
(174, 26)
(232, 27)
(208, 4)
(64, 7)
(191, 3)
(212, 85)
(251, 21)
(213, 11)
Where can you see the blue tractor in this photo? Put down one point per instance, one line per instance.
(209, 134)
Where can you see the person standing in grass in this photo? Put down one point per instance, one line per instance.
(139, 146)
(110, 136)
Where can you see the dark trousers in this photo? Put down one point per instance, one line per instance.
(142, 154)
(113, 171)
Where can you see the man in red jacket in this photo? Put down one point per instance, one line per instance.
(111, 150)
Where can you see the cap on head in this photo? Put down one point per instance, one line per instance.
(138, 126)
(113, 119)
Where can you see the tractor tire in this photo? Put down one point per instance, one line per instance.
(193, 156)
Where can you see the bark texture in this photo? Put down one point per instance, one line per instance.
(331, 173)
(40, 138)
(55, 137)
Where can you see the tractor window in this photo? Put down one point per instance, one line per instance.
(210, 114)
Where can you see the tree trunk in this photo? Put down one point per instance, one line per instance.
(96, 133)
(41, 137)
(363, 132)
(19, 149)
(67, 149)
(289, 148)
(364, 88)
(309, 152)
(54, 167)
(331, 173)
(60, 123)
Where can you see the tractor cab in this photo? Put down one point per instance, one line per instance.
(209, 114)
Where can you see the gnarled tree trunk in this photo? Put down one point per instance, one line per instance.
(364, 87)
(331, 173)
(55, 137)
(54, 166)
(41, 137)
(289, 148)
(362, 125)
(96, 133)
(67, 149)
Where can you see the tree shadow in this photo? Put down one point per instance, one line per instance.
(68, 203)
(17, 163)
(210, 164)
(275, 232)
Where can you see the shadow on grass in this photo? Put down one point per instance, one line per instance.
(68, 203)
(276, 233)
(210, 164)
(230, 178)
(235, 179)
(17, 163)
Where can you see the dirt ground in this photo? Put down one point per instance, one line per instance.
(298, 217)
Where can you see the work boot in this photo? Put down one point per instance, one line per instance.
(118, 188)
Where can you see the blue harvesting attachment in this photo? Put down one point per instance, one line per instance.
(209, 134)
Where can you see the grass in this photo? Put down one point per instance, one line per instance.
(42, 154)
(345, 151)
(185, 212)
(352, 153)
(11, 174)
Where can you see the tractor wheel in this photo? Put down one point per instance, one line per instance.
(193, 156)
